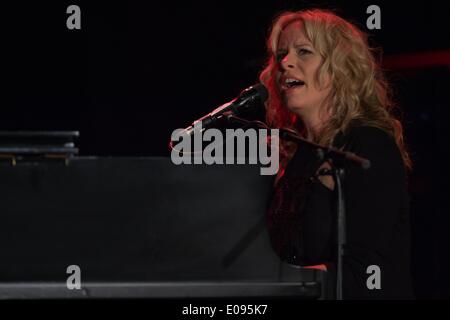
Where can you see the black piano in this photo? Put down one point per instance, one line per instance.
(141, 227)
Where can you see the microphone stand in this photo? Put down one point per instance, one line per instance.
(338, 160)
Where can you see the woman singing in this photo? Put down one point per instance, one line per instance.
(325, 84)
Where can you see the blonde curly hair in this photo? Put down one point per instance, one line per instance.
(360, 91)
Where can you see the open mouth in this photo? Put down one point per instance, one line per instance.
(289, 83)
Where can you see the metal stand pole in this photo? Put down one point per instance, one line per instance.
(338, 174)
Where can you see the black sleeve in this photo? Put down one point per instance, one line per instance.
(300, 213)
(377, 222)
(374, 196)
(376, 216)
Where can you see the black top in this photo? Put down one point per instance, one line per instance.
(302, 216)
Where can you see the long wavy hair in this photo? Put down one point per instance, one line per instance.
(360, 92)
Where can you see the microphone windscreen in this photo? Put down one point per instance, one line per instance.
(262, 92)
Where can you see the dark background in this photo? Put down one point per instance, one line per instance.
(136, 71)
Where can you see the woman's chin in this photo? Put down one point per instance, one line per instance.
(296, 108)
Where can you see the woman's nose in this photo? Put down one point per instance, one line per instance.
(287, 62)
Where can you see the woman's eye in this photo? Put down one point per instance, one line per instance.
(303, 51)
(280, 56)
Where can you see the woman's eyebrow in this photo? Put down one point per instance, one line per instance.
(297, 45)
(302, 44)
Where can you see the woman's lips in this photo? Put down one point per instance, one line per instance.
(288, 83)
(287, 89)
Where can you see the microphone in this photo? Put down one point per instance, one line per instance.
(246, 99)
